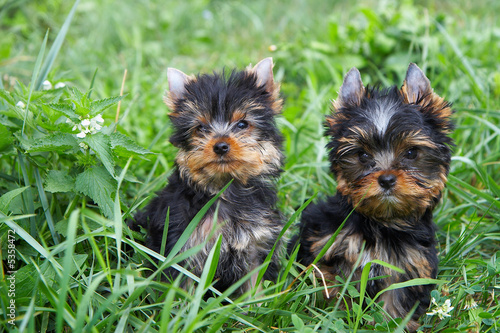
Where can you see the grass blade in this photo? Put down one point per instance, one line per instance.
(54, 50)
(66, 269)
(27, 195)
(45, 206)
(91, 88)
(34, 77)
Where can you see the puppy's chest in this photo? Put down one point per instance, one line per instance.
(348, 248)
(238, 233)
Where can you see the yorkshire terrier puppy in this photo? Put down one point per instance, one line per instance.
(224, 126)
(390, 151)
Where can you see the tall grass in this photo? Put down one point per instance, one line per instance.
(79, 268)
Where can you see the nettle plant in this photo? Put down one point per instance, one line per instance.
(59, 146)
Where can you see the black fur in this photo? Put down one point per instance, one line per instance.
(324, 218)
(184, 202)
(379, 134)
(207, 111)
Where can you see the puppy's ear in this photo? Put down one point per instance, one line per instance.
(265, 77)
(417, 89)
(176, 87)
(416, 85)
(264, 73)
(351, 92)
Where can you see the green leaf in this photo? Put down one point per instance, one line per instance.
(7, 96)
(26, 277)
(8, 197)
(102, 104)
(97, 184)
(65, 109)
(6, 138)
(59, 142)
(100, 144)
(59, 181)
(297, 322)
(80, 97)
(126, 147)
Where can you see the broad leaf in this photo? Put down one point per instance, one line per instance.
(100, 144)
(5, 95)
(59, 181)
(65, 109)
(5, 138)
(97, 184)
(124, 146)
(60, 142)
(102, 104)
(8, 197)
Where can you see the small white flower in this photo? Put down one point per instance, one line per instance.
(88, 126)
(272, 48)
(95, 123)
(83, 145)
(441, 311)
(46, 85)
(98, 118)
(85, 123)
(20, 104)
(96, 128)
(60, 85)
(470, 303)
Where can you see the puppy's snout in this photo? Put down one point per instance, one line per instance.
(221, 148)
(387, 181)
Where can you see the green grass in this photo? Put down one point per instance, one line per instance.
(68, 204)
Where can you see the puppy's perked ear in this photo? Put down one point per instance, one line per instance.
(265, 77)
(264, 72)
(417, 89)
(350, 94)
(176, 86)
(416, 84)
(352, 90)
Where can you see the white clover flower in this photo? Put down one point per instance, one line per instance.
(20, 104)
(441, 311)
(46, 85)
(470, 303)
(60, 85)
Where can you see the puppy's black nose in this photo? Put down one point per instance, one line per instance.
(387, 181)
(221, 148)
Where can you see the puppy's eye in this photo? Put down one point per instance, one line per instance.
(242, 124)
(411, 153)
(364, 157)
(202, 128)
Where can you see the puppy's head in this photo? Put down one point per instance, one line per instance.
(224, 125)
(390, 148)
